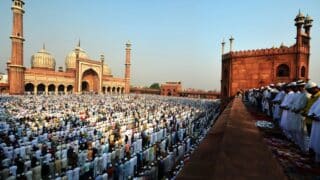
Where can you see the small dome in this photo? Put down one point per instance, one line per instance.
(300, 15)
(106, 70)
(43, 59)
(308, 18)
(71, 57)
(299, 18)
(308, 22)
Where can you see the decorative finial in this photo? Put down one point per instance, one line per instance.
(79, 43)
(128, 44)
(43, 46)
(223, 43)
(102, 57)
(231, 40)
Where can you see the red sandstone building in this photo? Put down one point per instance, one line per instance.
(243, 70)
(81, 74)
(171, 88)
(175, 89)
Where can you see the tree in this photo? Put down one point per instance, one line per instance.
(155, 86)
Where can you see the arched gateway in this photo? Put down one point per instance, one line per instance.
(90, 81)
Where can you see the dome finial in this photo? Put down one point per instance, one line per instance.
(79, 43)
(102, 57)
(43, 46)
(128, 44)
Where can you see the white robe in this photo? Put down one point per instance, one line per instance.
(315, 131)
(277, 111)
(299, 101)
(286, 114)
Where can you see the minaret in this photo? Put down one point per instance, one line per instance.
(299, 21)
(231, 41)
(15, 66)
(222, 44)
(307, 25)
(127, 70)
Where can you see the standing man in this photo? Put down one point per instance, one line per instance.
(313, 89)
(299, 103)
(314, 114)
(277, 101)
(286, 113)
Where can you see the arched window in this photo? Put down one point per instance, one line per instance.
(70, 88)
(61, 88)
(283, 70)
(41, 88)
(51, 88)
(303, 71)
(29, 87)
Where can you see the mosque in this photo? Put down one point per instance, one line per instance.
(81, 74)
(243, 70)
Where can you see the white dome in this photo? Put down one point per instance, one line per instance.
(106, 70)
(71, 57)
(43, 59)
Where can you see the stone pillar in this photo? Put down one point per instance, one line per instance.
(65, 90)
(46, 90)
(77, 87)
(16, 68)
(127, 68)
(35, 90)
(101, 79)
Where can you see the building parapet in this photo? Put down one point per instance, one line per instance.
(264, 52)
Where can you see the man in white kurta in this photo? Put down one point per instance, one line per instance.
(286, 113)
(314, 113)
(276, 104)
(299, 103)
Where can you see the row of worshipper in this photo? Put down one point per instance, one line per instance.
(148, 155)
(296, 107)
(39, 140)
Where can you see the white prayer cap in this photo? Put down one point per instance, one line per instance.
(310, 85)
(271, 85)
(292, 84)
(279, 84)
(301, 83)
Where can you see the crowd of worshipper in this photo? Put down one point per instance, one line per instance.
(100, 137)
(295, 106)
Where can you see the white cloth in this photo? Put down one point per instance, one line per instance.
(76, 172)
(277, 111)
(287, 114)
(315, 131)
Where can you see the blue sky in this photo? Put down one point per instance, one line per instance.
(172, 40)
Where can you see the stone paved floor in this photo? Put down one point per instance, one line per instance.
(233, 149)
